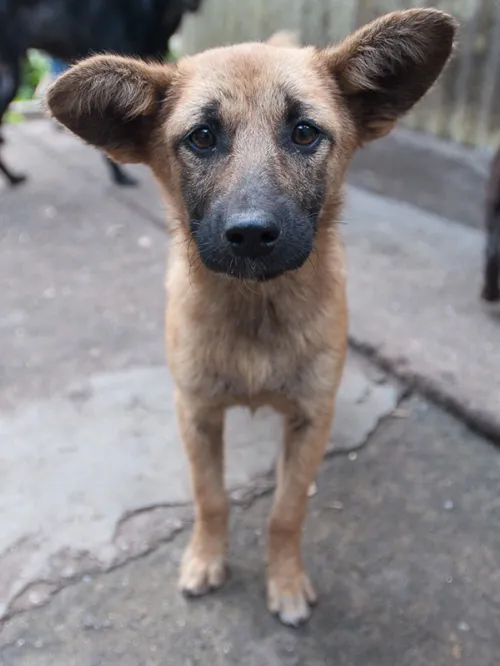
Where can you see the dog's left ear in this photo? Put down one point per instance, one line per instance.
(112, 103)
(384, 68)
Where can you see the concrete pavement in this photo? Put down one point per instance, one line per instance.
(403, 545)
(437, 176)
(83, 383)
(78, 468)
(414, 283)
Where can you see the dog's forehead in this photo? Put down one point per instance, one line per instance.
(240, 78)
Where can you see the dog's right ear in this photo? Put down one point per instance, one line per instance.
(111, 102)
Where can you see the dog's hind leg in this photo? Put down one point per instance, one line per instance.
(119, 176)
(491, 288)
(203, 565)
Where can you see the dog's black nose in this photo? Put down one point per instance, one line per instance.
(251, 236)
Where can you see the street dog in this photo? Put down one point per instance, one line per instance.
(250, 145)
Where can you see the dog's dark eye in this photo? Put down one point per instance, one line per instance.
(305, 135)
(202, 139)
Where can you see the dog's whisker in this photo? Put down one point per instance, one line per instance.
(247, 285)
(239, 287)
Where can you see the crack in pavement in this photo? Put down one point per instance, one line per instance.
(478, 422)
(141, 531)
(16, 608)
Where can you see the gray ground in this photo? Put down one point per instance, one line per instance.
(403, 543)
(443, 178)
(402, 537)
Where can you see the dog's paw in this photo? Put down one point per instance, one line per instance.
(291, 598)
(201, 574)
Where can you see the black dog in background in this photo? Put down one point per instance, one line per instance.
(491, 288)
(72, 29)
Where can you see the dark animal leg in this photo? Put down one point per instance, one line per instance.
(13, 178)
(491, 289)
(10, 73)
(119, 176)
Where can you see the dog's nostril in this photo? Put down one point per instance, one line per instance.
(235, 237)
(270, 236)
(251, 236)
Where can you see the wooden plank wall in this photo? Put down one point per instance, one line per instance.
(464, 106)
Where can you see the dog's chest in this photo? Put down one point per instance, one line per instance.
(243, 356)
(248, 371)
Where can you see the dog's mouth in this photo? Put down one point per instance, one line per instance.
(281, 259)
(250, 270)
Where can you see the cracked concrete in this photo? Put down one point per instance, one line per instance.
(106, 449)
(403, 544)
(413, 291)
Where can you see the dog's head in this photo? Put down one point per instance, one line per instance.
(251, 142)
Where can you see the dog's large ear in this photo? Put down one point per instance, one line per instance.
(112, 103)
(384, 68)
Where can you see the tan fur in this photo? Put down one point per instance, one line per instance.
(283, 342)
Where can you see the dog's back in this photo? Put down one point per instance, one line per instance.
(72, 29)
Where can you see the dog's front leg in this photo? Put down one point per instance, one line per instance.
(289, 589)
(201, 428)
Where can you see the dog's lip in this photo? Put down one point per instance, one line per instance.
(265, 276)
(246, 270)
(246, 273)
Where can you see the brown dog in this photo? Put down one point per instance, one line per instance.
(250, 145)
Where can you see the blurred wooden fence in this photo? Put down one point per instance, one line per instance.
(464, 106)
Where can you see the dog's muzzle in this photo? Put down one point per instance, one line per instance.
(254, 242)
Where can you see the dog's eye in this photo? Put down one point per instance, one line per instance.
(305, 135)
(202, 139)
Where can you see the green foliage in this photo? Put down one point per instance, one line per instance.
(34, 67)
(13, 118)
(172, 56)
